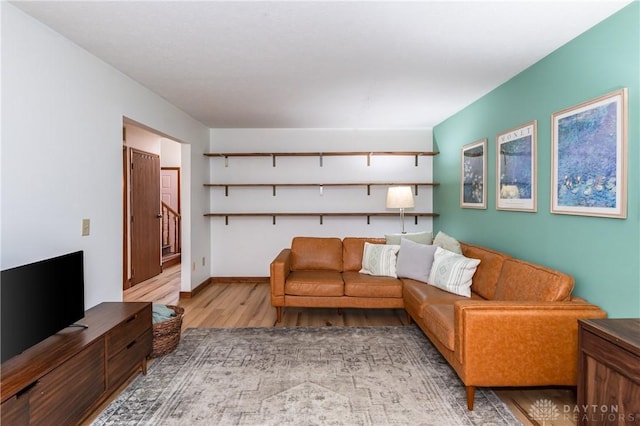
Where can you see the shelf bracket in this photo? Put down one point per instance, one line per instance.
(226, 220)
(226, 190)
(273, 218)
(416, 164)
(368, 220)
(368, 189)
(226, 161)
(321, 158)
(273, 160)
(416, 190)
(416, 219)
(274, 190)
(369, 159)
(320, 219)
(321, 190)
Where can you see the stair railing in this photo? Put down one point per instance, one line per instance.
(170, 230)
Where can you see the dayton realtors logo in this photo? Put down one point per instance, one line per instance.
(545, 410)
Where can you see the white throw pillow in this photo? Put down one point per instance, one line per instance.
(418, 237)
(379, 259)
(452, 272)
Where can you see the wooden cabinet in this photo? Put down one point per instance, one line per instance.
(609, 372)
(64, 378)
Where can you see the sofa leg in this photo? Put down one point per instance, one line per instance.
(278, 313)
(471, 392)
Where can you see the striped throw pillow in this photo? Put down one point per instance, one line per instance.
(452, 272)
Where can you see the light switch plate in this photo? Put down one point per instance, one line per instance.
(86, 227)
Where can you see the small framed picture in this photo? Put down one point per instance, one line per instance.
(473, 175)
(516, 168)
(589, 158)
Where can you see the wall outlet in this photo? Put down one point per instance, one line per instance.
(86, 227)
(193, 266)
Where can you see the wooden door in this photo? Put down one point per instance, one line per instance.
(145, 216)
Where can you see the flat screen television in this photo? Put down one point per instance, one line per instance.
(38, 300)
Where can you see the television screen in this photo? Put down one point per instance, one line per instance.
(38, 300)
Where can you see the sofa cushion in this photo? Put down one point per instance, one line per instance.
(314, 283)
(452, 272)
(447, 242)
(415, 260)
(352, 249)
(485, 279)
(524, 281)
(316, 254)
(441, 323)
(418, 237)
(417, 295)
(379, 259)
(361, 285)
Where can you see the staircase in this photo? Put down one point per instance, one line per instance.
(170, 236)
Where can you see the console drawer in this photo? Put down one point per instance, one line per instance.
(133, 356)
(127, 331)
(65, 394)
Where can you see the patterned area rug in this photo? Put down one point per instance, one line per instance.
(303, 376)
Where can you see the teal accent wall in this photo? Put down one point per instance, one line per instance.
(603, 254)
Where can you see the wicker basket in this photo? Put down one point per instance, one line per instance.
(166, 334)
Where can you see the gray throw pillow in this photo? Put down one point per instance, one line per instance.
(415, 260)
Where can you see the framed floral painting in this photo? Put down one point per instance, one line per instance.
(473, 175)
(516, 168)
(589, 158)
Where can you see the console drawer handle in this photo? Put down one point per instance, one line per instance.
(26, 389)
(132, 318)
(130, 345)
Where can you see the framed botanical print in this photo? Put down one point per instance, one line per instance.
(473, 175)
(589, 158)
(516, 168)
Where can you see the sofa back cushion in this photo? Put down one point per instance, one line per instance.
(316, 254)
(352, 250)
(485, 279)
(526, 281)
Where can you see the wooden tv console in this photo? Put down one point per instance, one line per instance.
(62, 379)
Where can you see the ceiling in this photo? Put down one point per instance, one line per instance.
(323, 64)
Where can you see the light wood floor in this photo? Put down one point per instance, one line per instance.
(247, 305)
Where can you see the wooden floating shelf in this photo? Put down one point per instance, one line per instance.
(320, 215)
(274, 155)
(226, 186)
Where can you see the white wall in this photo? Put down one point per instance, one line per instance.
(171, 153)
(62, 121)
(246, 246)
(143, 140)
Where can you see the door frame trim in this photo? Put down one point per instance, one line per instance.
(126, 283)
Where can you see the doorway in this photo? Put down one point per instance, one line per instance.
(171, 215)
(145, 154)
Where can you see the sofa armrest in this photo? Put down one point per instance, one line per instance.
(534, 342)
(279, 271)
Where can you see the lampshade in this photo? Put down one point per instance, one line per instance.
(399, 197)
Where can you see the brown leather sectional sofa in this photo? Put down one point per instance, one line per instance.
(518, 328)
